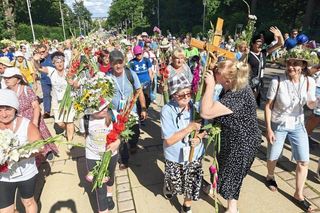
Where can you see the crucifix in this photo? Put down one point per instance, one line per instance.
(214, 46)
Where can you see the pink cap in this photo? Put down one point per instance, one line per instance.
(137, 50)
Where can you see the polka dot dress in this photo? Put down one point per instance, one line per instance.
(240, 140)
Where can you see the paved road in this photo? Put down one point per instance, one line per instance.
(139, 189)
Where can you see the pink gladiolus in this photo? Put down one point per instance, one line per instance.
(196, 78)
(213, 169)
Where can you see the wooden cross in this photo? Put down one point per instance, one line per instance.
(214, 47)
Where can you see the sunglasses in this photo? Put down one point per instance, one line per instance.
(184, 95)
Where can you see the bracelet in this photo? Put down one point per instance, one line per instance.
(143, 109)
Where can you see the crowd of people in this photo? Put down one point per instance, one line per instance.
(234, 89)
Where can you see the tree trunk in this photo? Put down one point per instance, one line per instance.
(9, 18)
(308, 15)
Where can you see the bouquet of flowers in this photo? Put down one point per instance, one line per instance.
(121, 129)
(303, 53)
(95, 93)
(11, 150)
(82, 64)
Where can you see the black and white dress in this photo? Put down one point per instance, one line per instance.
(240, 140)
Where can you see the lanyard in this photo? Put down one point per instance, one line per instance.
(121, 91)
(295, 92)
(260, 60)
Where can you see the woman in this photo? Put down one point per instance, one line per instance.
(240, 135)
(23, 174)
(284, 116)
(103, 60)
(95, 127)
(59, 83)
(26, 68)
(28, 105)
(180, 176)
(179, 65)
(241, 49)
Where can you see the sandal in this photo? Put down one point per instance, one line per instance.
(272, 185)
(303, 204)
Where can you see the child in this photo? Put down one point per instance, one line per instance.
(96, 126)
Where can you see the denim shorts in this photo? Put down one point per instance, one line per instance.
(298, 139)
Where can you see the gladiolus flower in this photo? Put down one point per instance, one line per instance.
(119, 127)
(4, 168)
(213, 169)
(112, 137)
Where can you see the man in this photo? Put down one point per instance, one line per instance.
(5, 52)
(45, 61)
(4, 63)
(257, 60)
(291, 42)
(124, 89)
(143, 68)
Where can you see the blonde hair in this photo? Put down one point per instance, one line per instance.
(178, 52)
(237, 72)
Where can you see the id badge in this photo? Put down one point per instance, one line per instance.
(122, 103)
(186, 153)
(290, 123)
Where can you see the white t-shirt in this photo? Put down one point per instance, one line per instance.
(291, 98)
(96, 140)
(59, 83)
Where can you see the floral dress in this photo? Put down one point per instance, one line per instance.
(26, 97)
(240, 140)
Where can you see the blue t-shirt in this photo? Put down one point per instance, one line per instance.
(142, 69)
(170, 125)
(8, 54)
(124, 89)
(47, 62)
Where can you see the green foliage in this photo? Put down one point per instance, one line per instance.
(23, 32)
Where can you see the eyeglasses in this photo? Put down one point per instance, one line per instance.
(184, 95)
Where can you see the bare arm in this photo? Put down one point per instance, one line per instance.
(36, 112)
(276, 32)
(142, 101)
(179, 135)
(210, 108)
(33, 133)
(267, 116)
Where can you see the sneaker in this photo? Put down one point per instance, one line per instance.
(50, 155)
(123, 166)
(46, 115)
(185, 209)
(58, 129)
(167, 193)
(110, 203)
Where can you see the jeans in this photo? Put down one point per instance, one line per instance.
(298, 139)
(123, 150)
(46, 90)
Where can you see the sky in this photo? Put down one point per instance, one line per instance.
(98, 8)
